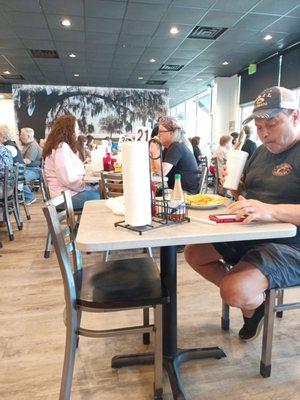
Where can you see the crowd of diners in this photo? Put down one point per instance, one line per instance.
(269, 190)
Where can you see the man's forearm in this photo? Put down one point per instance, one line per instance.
(287, 213)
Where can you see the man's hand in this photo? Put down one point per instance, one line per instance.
(223, 174)
(27, 161)
(254, 210)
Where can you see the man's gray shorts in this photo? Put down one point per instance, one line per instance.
(279, 262)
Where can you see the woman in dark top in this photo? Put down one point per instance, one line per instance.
(197, 152)
(6, 137)
(177, 157)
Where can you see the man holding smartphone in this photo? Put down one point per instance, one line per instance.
(269, 191)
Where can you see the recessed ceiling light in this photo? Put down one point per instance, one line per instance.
(6, 72)
(199, 79)
(268, 37)
(152, 60)
(225, 62)
(140, 77)
(180, 90)
(174, 30)
(72, 55)
(66, 22)
(123, 45)
(76, 75)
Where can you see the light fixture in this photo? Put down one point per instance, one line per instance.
(225, 62)
(268, 37)
(76, 75)
(199, 79)
(181, 90)
(72, 55)
(123, 45)
(66, 22)
(2, 96)
(6, 72)
(152, 60)
(174, 30)
(140, 78)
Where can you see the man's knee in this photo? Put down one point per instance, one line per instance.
(235, 291)
(200, 254)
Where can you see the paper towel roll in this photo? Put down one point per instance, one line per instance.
(97, 158)
(136, 183)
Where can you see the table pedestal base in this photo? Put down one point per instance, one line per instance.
(171, 364)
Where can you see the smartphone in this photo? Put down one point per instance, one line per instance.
(221, 218)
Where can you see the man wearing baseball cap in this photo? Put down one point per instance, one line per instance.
(269, 191)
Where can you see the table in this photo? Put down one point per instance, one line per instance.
(101, 236)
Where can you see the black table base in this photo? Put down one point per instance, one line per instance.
(171, 364)
(172, 356)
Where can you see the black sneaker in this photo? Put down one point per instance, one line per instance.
(252, 326)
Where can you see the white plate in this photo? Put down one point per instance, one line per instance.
(207, 206)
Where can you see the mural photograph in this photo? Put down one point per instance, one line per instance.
(99, 111)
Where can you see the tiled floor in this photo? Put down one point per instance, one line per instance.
(32, 338)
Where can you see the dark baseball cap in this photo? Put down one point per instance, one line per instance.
(271, 102)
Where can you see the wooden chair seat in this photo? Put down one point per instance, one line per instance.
(120, 284)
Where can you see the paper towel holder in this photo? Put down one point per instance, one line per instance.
(162, 213)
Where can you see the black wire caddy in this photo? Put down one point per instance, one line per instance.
(162, 212)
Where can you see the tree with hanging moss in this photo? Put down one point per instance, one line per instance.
(38, 106)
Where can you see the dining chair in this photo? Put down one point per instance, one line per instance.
(111, 185)
(117, 285)
(46, 199)
(274, 305)
(19, 190)
(7, 199)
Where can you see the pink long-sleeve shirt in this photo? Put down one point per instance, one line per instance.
(64, 170)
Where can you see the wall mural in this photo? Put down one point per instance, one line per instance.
(99, 111)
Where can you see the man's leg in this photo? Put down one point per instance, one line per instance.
(30, 175)
(205, 260)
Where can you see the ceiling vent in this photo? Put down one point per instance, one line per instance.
(170, 67)
(15, 77)
(206, 32)
(155, 82)
(36, 53)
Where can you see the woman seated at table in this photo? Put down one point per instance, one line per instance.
(177, 158)
(63, 168)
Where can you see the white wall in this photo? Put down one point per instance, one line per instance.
(225, 108)
(7, 114)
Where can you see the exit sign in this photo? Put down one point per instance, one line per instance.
(251, 69)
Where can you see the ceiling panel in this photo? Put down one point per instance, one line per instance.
(39, 44)
(194, 3)
(182, 15)
(68, 36)
(26, 19)
(104, 9)
(295, 12)
(33, 33)
(68, 7)
(101, 38)
(17, 5)
(256, 21)
(103, 25)
(286, 24)
(235, 6)
(220, 19)
(138, 27)
(145, 12)
(278, 7)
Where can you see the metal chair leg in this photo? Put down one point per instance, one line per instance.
(47, 251)
(69, 360)
(149, 251)
(266, 354)
(106, 256)
(146, 319)
(17, 214)
(280, 294)
(8, 223)
(225, 319)
(158, 359)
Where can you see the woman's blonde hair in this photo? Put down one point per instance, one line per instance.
(6, 132)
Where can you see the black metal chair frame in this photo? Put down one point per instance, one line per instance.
(83, 292)
(19, 192)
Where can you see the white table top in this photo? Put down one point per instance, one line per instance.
(97, 231)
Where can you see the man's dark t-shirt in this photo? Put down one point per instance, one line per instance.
(197, 154)
(275, 179)
(184, 163)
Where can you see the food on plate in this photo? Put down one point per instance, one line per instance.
(204, 199)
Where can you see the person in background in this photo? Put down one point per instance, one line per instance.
(42, 143)
(269, 191)
(249, 146)
(90, 142)
(6, 138)
(177, 158)
(221, 152)
(154, 132)
(234, 136)
(32, 155)
(196, 149)
(63, 168)
(6, 160)
(83, 152)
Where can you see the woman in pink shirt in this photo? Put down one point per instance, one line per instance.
(63, 168)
